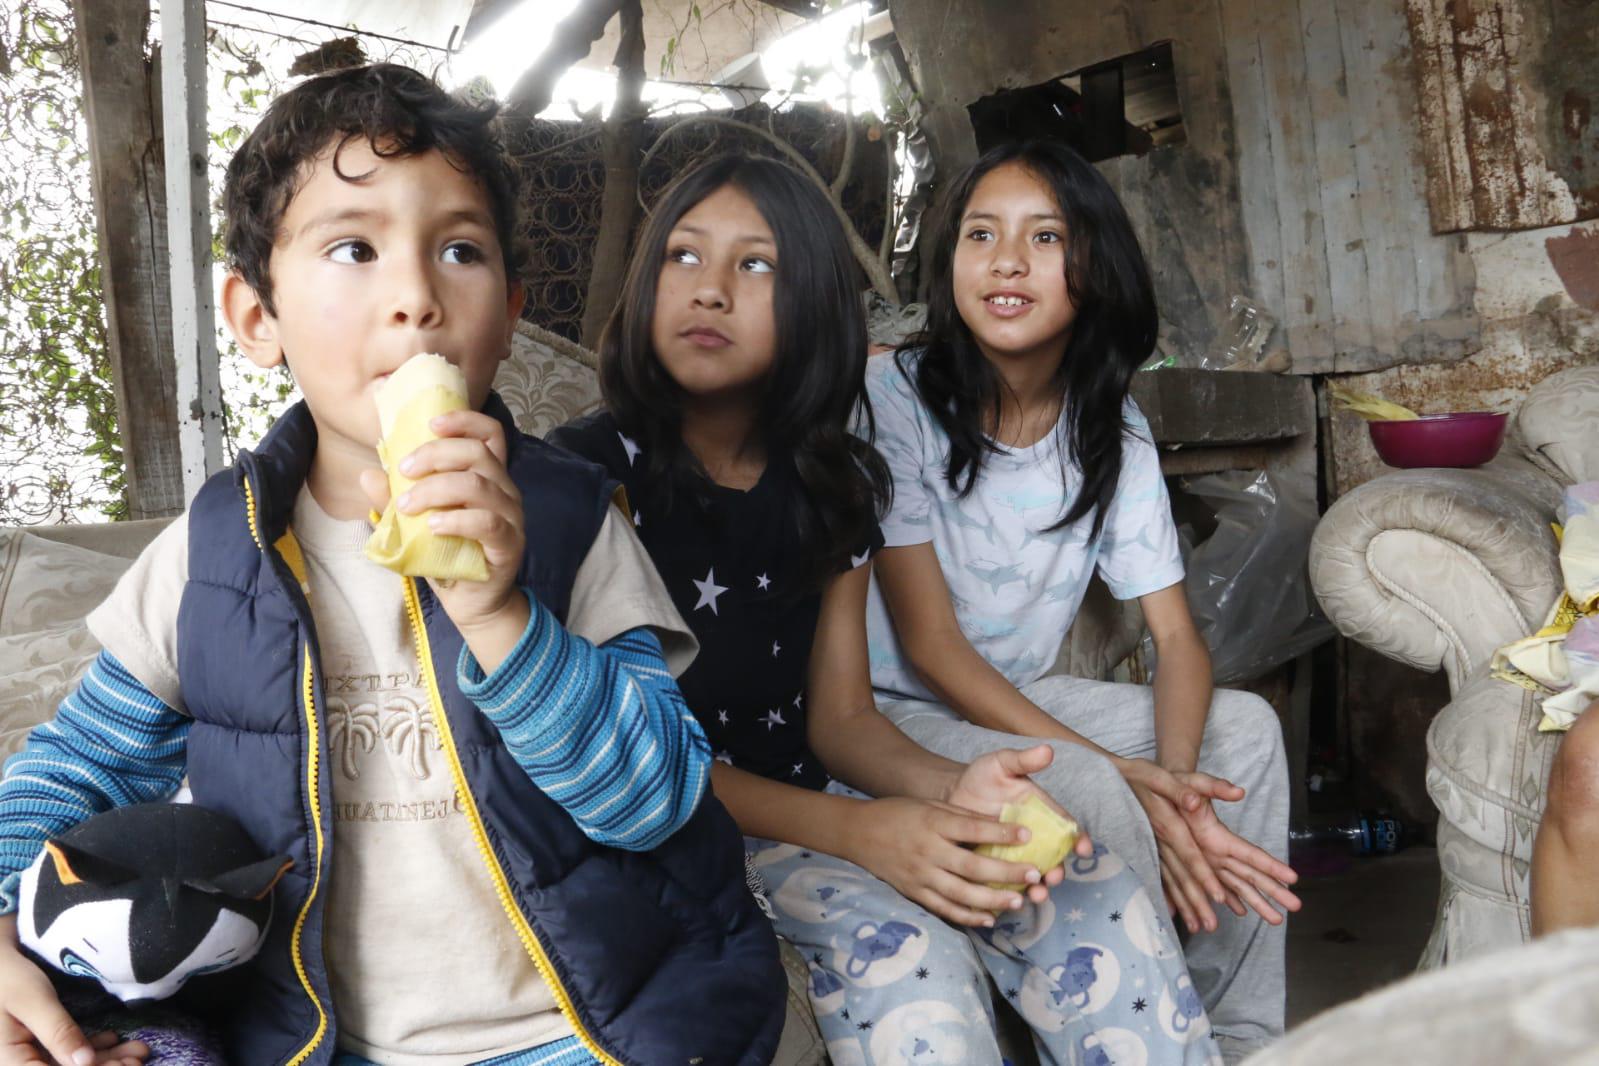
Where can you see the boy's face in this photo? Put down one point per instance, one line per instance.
(366, 274)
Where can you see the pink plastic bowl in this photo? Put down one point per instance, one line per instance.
(1466, 438)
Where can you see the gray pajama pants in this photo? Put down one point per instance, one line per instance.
(1239, 969)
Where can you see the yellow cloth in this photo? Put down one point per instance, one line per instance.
(425, 387)
(1051, 840)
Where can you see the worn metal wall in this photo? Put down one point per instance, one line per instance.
(1298, 184)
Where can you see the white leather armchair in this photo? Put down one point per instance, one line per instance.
(1437, 568)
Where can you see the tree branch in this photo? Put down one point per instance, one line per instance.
(848, 163)
(574, 36)
(876, 273)
(619, 200)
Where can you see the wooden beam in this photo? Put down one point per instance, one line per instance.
(199, 388)
(128, 179)
(1215, 407)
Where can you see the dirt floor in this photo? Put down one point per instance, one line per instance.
(1360, 929)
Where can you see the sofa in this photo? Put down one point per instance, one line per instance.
(1438, 568)
(52, 576)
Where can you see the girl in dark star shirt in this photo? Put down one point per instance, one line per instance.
(732, 369)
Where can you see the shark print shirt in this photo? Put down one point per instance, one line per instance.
(1016, 587)
(728, 560)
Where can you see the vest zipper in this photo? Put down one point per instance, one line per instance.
(307, 694)
(311, 775)
(502, 885)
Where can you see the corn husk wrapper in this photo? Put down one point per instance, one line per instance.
(1369, 407)
(1052, 838)
(425, 387)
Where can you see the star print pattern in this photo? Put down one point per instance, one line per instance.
(709, 590)
(723, 559)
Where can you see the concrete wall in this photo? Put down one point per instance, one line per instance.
(1538, 300)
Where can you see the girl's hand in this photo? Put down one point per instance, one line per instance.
(1204, 864)
(1249, 873)
(35, 1030)
(922, 848)
(1192, 887)
(462, 477)
(990, 781)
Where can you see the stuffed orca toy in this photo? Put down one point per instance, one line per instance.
(144, 897)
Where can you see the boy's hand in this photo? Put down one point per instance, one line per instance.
(462, 477)
(36, 1030)
(990, 781)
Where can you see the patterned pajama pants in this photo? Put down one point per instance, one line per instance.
(1095, 970)
(1239, 969)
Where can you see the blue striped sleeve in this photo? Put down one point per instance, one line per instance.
(111, 743)
(603, 730)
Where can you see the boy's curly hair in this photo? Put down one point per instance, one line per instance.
(396, 110)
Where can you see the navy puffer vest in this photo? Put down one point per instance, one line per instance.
(658, 957)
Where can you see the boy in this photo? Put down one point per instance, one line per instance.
(492, 792)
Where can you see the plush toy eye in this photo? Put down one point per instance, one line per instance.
(213, 968)
(71, 963)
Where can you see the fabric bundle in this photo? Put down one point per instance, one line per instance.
(1561, 660)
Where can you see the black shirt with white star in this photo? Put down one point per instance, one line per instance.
(728, 559)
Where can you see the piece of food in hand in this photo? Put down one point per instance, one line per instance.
(424, 387)
(1053, 837)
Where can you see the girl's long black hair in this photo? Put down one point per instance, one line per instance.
(816, 388)
(1111, 336)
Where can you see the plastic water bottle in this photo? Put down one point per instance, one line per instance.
(1359, 834)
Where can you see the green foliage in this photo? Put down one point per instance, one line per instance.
(60, 452)
(60, 447)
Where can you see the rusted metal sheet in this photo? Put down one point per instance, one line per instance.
(1486, 70)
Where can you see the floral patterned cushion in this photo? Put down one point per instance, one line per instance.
(544, 388)
(46, 589)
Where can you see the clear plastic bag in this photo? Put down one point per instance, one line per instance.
(1248, 583)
